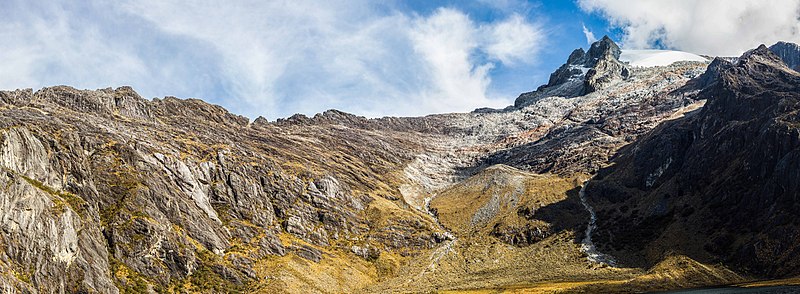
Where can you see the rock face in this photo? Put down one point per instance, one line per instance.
(719, 185)
(104, 191)
(584, 73)
(788, 52)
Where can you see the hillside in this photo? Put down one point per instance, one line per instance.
(717, 185)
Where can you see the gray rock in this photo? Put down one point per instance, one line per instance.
(584, 73)
(307, 252)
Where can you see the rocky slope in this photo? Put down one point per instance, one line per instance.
(719, 185)
(104, 191)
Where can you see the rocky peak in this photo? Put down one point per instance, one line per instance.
(576, 57)
(328, 117)
(584, 73)
(260, 120)
(788, 52)
(761, 60)
(604, 48)
(760, 55)
(755, 71)
(16, 97)
(712, 73)
(123, 102)
(296, 119)
(333, 116)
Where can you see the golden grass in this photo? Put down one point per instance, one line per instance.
(779, 282)
(337, 272)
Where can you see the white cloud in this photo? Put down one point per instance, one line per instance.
(715, 27)
(445, 41)
(590, 38)
(448, 41)
(271, 58)
(91, 45)
(513, 40)
(306, 56)
(49, 48)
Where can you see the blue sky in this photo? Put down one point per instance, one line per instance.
(373, 58)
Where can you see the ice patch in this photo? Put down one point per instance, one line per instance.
(650, 58)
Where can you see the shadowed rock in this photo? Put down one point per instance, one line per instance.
(719, 185)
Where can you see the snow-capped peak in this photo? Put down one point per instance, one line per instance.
(650, 58)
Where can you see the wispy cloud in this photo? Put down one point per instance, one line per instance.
(513, 40)
(590, 38)
(716, 27)
(95, 45)
(304, 55)
(271, 58)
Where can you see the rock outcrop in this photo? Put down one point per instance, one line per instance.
(584, 73)
(105, 191)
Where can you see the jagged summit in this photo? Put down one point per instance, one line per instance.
(759, 53)
(603, 47)
(584, 72)
(712, 73)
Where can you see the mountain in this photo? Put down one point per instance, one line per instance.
(788, 52)
(718, 185)
(105, 191)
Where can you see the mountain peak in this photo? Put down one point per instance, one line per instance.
(583, 73)
(604, 46)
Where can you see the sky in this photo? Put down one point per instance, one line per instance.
(371, 58)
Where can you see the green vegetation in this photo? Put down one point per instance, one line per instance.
(116, 179)
(61, 199)
(127, 279)
(22, 276)
(206, 280)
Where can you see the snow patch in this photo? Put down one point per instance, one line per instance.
(651, 58)
(583, 70)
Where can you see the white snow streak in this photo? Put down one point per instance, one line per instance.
(587, 246)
